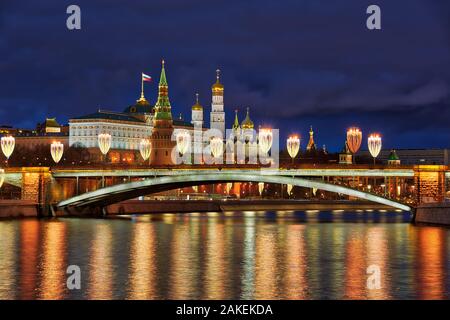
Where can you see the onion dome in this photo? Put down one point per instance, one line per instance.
(247, 123)
(197, 106)
(217, 87)
(236, 120)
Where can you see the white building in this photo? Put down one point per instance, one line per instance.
(217, 115)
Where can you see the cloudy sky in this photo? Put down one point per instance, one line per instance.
(295, 63)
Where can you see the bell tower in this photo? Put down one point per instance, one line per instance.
(217, 116)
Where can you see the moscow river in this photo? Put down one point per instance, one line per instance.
(233, 255)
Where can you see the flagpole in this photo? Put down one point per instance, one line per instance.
(142, 86)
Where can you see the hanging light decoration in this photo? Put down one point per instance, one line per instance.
(374, 144)
(104, 142)
(354, 138)
(293, 146)
(260, 187)
(229, 186)
(183, 141)
(289, 188)
(265, 140)
(145, 148)
(2, 177)
(8, 144)
(216, 145)
(57, 151)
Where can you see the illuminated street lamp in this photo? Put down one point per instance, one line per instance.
(289, 189)
(57, 151)
(374, 144)
(229, 185)
(183, 141)
(145, 148)
(354, 138)
(8, 144)
(260, 187)
(2, 177)
(216, 145)
(265, 140)
(293, 146)
(104, 143)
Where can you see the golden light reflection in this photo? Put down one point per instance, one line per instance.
(7, 260)
(295, 281)
(355, 275)
(214, 263)
(265, 265)
(431, 263)
(101, 266)
(29, 251)
(181, 264)
(377, 255)
(53, 276)
(143, 271)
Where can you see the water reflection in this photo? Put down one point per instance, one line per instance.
(222, 256)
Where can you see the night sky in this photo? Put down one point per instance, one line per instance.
(294, 63)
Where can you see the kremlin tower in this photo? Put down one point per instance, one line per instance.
(311, 144)
(161, 138)
(217, 116)
(197, 121)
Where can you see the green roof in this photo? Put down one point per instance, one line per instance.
(393, 156)
(109, 115)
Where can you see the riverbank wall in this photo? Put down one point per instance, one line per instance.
(433, 213)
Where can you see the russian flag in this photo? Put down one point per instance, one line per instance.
(146, 77)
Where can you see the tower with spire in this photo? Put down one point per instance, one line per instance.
(197, 121)
(162, 144)
(311, 144)
(217, 116)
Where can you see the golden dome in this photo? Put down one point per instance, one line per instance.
(197, 106)
(247, 123)
(217, 86)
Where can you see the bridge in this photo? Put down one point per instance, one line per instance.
(401, 187)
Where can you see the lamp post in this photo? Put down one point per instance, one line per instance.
(145, 148)
(260, 188)
(57, 151)
(354, 138)
(293, 146)
(374, 144)
(183, 142)
(265, 138)
(8, 143)
(104, 143)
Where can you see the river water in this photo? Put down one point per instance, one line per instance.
(233, 255)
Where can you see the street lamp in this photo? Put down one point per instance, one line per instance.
(183, 141)
(374, 144)
(354, 138)
(265, 140)
(260, 187)
(293, 146)
(57, 150)
(104, 143)
(145, 148)
(216, 145)
(229, 185)
(8, 144)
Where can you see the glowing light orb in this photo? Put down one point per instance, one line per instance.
(354, 138)
(265, 139)
(57, 151)
(104, 142)
(8, 144)
(293, 146)
(145, 148)
(374, 144)
(289, 188)
(183, 141)
(2, 177)
(229, 186)
(216, 145)
(195, 188)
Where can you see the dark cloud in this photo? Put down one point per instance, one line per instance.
(295, 63)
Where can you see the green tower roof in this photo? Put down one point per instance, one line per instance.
(163, 109)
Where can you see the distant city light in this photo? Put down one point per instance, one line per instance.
(104, 142)
(265, 140)
(183, 141)
(57, 151)
(354, 138)
(260, 187)
(216, 145)
(8, 144)
(374, 144)
(145, 148)
(293, 146)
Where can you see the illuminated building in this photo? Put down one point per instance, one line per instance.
(345, 157)
(217, 115)
(311, 144)
(393, 158)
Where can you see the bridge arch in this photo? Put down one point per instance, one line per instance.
(130, 190)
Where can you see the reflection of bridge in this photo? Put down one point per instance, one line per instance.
(396, 186)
